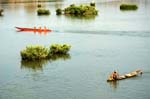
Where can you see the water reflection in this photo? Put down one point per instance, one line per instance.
(36, 32)
(114, 84)
(34, 65)
(38, 65)
(88, 17)
(60, 57)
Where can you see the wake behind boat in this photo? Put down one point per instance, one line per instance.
(33, 29)
(125, 76)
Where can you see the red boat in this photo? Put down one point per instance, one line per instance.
(33, 29)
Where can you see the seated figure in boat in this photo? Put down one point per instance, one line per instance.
(115, 75)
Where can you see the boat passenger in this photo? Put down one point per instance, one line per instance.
(40, 28)
(45, 28)
(115, 75)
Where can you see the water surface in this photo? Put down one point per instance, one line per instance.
(113, 40)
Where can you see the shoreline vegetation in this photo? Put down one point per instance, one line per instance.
(81, 10)
(38, 52)
(126, 7)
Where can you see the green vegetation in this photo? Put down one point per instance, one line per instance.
(81, 10)
(92, 4)
(1, 10)
(128, 7)
(59, 49)
(43, 12)
(32, 53)
(58, 11)
(39, 5)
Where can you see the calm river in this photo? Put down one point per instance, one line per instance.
(113, 40)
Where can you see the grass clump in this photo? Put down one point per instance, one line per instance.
(32, 53)
(43, 12)
(92, 4)
(82, 10)
(58, 11)
(39, 5)
(128, 7)
(59, 49)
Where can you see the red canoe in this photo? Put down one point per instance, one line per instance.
(33, 29)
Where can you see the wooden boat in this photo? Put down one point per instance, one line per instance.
(33, 30)
(125, 76)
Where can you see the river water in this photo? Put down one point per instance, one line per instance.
(113, 40)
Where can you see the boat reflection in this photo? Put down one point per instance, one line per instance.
(114, 84)
(36, 32)
(38, 65)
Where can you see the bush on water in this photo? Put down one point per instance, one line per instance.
(92, 3)
(128, 7)
(81, 10)
(38, 52)
(34, 53)
(39, 5)
(59, 49)
(43, 12)
(58, 11)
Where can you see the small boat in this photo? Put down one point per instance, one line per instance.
(33, 29)
(125, 76)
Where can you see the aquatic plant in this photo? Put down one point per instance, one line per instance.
(39, 5)
(128, 7)
(58, 11)
(34, 53)
(1, 10)
(59, 49)
(79, 11)
(87, 17)
(43, 12)
(82, 10)
(92, 4)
